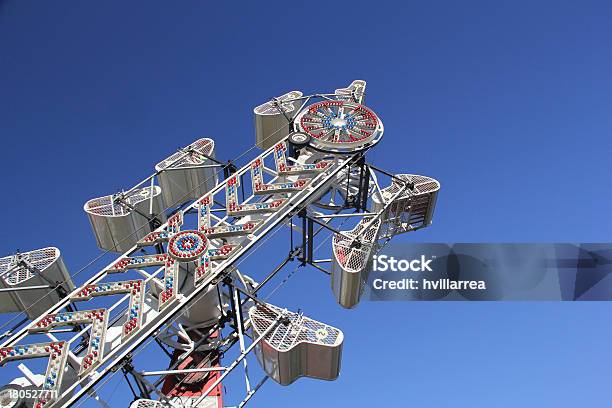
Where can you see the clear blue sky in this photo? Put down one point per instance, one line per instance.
(508, 104)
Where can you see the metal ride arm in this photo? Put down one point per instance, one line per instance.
(116, 354)
(322, 160)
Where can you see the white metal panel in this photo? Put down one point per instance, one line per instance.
(271, 123)
(182, 176)
(352, 261)
(15, 274)
(354, 92)
(302, 348)
(119, 221)
(147, 403)
(413, 209)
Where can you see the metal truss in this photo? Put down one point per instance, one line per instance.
(192, 259)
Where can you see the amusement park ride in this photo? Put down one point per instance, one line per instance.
(182, 232)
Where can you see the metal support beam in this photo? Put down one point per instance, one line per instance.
(17, 289)
(115, 358)
(240, 358)
(325, 225)
(185, 371)
(355, 214)
(252, 392)
(364, 185)
(294, 253)
(128, 368)
(239, 325)
(310, 237)
(303, 255)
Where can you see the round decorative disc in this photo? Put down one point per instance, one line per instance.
(339, 123)
(187, 245)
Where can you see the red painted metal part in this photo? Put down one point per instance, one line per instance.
(193, 385)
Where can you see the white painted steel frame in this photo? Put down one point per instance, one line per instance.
(292, 205)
